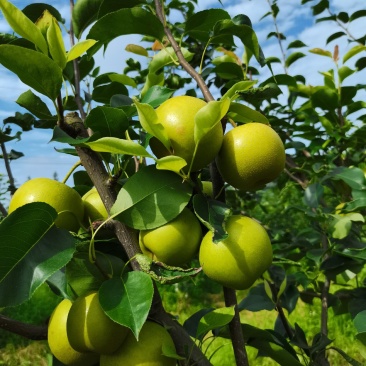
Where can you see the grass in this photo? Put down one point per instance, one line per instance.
(15, 350)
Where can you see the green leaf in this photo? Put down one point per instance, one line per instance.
(232, 93)
(344, 72)
(152, 80)
(294, 57)
(167, 56)
(104, 93)
(126, 21)
(282, 79)
(229, 71)
(342, 224)
(245, 33)
(243, 114)
(213, 215)
(79, 48)
(360, 322)
(33, 68)
(34, 104)
(335, 36)
(115, 145)
(151, 198)
(150, 123)
(353, 52)
(215, 319)
(257, 300)
(56, 43)
(172, 163)
(35, 11)
(282, 287)
(256, 96)
(313, 194)
(127, 300)
(296, 44)
(325, 98)
(352, 176)
(23, 25)
(84, 276)
(208, 117)
(137, 50)
(24, 121)
(163, 273)
(156, 95)
(321, 52)
(357, 14)
(31, 250)
(108, 121)
(320, 7)
(123, 79)
(60, 135)
(84, 13)
(201, 24)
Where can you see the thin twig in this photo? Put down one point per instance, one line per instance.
(278, 37)
(76, 68)
(8, 168)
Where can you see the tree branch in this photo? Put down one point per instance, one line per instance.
(29, 331)
(218, 183)
(8, 169)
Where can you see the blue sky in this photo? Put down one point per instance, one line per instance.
(294, 20)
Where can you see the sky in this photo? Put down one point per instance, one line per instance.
(294, 20)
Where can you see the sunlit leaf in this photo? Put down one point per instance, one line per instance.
(215, 319)
(23, 25)
(232, 93)
(137, 50)
(123, 79)
(353, 52)
(115, 145)
(172, 162)
(321, 52)
(56, 43)
(150, 123)
(166, 57)
(79, 48)
(33, 68)
(208, 116)
(243, 114)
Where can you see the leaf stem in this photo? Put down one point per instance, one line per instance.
(67, 176)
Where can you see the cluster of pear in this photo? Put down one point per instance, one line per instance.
(81, 334)
(248, 157)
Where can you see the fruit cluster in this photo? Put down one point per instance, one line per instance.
(81, 334)
(248, 157)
